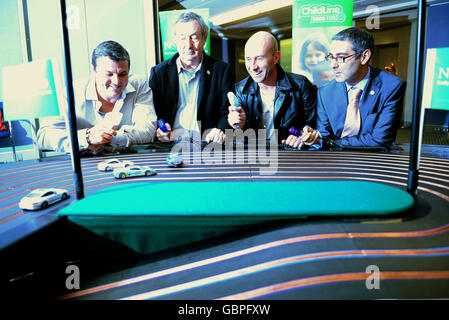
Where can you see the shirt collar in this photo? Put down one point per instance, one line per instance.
(180, 67)
(361, 84)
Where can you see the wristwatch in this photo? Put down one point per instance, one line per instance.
(87, 136)
(90, 143)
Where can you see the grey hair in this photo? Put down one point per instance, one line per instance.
(192, 16)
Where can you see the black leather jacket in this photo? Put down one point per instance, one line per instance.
(295, 102)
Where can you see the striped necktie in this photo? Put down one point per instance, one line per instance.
(352, 121)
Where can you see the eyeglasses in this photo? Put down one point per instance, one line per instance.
(339, 59)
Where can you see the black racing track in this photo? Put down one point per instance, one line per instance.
(300, 259)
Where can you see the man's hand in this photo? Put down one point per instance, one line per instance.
(310, 136)
(99, 135)
(216, 135)
(236, 117)
(293, 141)
(164, 136)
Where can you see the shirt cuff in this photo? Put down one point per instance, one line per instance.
(82, 139)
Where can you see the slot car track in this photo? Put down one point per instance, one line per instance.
(315, 258)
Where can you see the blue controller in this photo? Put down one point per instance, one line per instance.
(161, 125)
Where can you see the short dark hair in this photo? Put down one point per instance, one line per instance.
(114, 50)
(361, 40)
(192, 16)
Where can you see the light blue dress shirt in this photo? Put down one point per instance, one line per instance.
(186, 123)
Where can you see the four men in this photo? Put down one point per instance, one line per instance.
(361, 107)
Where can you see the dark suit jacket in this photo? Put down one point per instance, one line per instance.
(215, 82)
(295, 104)
(380, 110)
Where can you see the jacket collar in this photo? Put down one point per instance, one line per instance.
(205, 79)
(362, 83)
(180, 67)
(372, 91)
(205, 61)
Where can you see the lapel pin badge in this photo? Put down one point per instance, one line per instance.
(372, 92)
(208, 72)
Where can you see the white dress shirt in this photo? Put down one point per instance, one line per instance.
(138, 124)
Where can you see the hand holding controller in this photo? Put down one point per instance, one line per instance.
(164, 131)
(236, 116)
(112, 119)
(104, 131)
(161, 125)
(310, 136)
(298, 138)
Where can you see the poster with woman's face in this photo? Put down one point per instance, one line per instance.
(314, 24)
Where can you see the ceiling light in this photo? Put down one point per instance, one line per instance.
(249, 11)
(386, 8)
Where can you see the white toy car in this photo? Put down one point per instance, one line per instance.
(134, 171)
(111, 164)
(175, 160)
(42, 198)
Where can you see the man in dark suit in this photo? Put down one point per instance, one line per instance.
(190, 89)
(362, 106)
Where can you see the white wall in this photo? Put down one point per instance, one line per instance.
(10, 38)
(91, 22)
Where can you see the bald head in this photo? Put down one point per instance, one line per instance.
(261, 56)
(263, 39)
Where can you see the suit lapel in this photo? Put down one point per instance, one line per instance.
(278, 103)
(370, 95)
(173, 85)
(282, 85)
(205, 80)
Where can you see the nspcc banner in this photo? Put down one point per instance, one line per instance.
(167, 21)
(315, 22)
(436, 80)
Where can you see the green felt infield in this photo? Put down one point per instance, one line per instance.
(149, 217)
